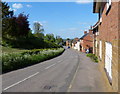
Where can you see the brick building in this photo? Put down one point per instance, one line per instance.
(107, 41)
(86, 41)
(76, 44)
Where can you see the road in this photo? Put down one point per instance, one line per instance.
(53, 75)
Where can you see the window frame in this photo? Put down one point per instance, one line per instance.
(100, 49)
(108, 4)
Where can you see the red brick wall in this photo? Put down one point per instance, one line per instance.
(119, 47)
(87, 40)
(108, 32)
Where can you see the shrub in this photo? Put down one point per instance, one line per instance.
(28, 43)
(93, 57)
(15, 61)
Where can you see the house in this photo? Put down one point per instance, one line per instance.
(76, 44)
(107, 41)
(86, 41)
(68, 43)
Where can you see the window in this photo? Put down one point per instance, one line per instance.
(108, 4)
(100, 14)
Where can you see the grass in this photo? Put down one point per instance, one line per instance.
(11, 50)
(93, 57)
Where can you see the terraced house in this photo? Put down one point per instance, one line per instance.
(86, 41)
(107, 40)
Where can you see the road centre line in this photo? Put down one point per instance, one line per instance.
(50, 66)
(58, 61)
(29, 76)
(21, 81)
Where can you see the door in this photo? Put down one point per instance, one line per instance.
(108, 59)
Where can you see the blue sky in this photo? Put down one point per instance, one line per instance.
(66, 19)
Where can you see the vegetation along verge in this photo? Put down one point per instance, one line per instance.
(93, 57)
(13, 61)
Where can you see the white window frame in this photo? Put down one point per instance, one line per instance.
(100, 12)
(100, 50)
(97, 33)
(96, 43)
(101, 20)
(108, 59)
(109, 2)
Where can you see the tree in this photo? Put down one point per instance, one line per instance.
(13, 26)
(38, 28)
(22, 25)
(68, 38)
(10, 27)
(59, 40)
(6, 15)
(16, 26)
(49, 37)
(6, 12)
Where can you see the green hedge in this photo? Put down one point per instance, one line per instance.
(28, 43)
(15, 61)
(93, 57)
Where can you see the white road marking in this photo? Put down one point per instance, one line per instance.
(59, 61)
(50, 66)
(43, 63)
(20, 81)
(70, 86)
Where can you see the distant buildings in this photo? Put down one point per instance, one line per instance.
(68, 43)
(86, 42)
(83, 43)
(76, 44)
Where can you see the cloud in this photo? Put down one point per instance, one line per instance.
(71, 29)
(17, 6)
(83, 1)
(12, 9)
(43, 23)
(29, 6)
(38, 22)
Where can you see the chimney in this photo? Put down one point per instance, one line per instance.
(90, 31)
(85, 32)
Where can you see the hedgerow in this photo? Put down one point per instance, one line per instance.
(13, 61)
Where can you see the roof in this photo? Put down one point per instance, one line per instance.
(84, 36)
(96, 25)
(75, 40)
(68, 40)
(97, 5)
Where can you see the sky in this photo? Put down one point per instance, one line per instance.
(65, 19)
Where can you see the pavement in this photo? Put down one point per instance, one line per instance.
(70, 72)
(87, 78)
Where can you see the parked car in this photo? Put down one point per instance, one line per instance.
(68, 47)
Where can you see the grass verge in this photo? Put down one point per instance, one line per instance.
(13, 61)
(93, 57)
(12, 50)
